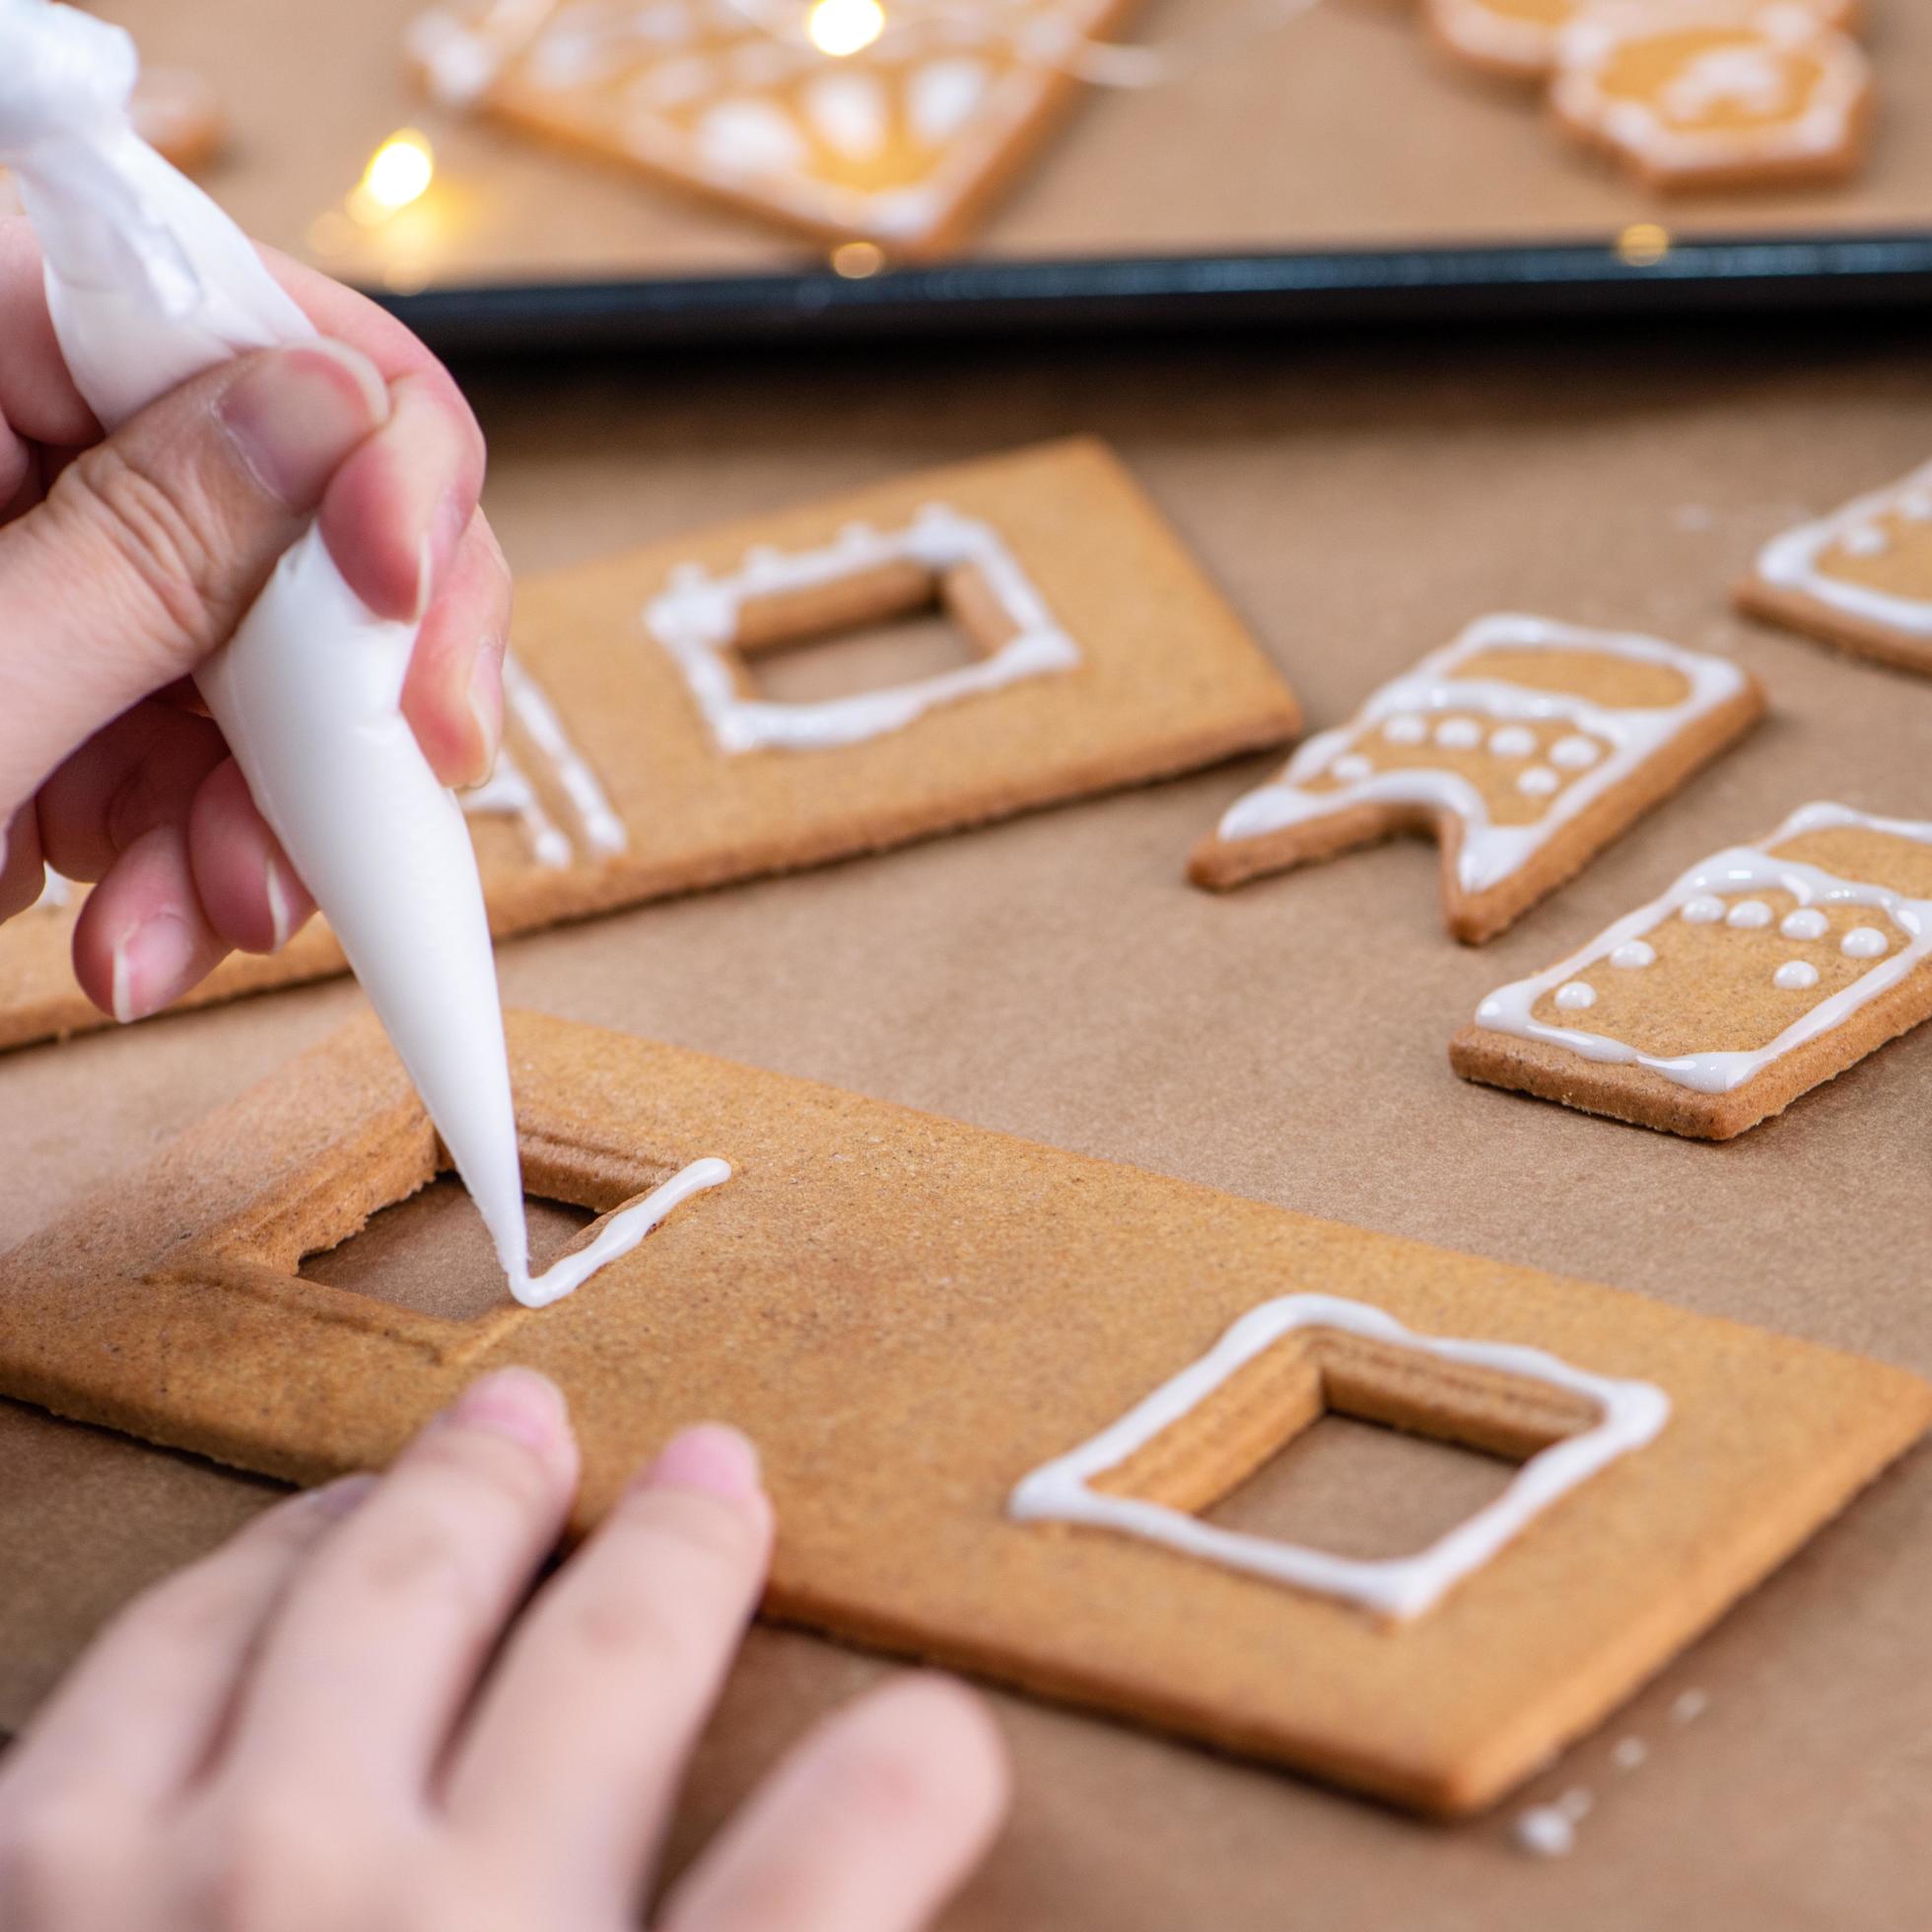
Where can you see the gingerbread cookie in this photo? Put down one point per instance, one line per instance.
(892, 126)
(1860, 577)
(997, 1386)
(1525, 747)
(1515, 38)
(641, 758)
(176, 111)
(1762, 973)
(1712, 93)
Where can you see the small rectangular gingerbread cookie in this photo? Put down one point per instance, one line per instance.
(1860, 577)
(1765, 971)
(892, 127)
(1525, 747)
(641, 759)
(1004, 1394)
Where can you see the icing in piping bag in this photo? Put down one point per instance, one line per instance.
(148, 283)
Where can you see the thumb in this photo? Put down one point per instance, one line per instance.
(152, 544)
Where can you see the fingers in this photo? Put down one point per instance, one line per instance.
(247, 886)
(140, 1713)
(141, 939)
(23, 869)
(452, 695)
(367, 1667)
(577, 1751)
(151, 545)
(869, 1826)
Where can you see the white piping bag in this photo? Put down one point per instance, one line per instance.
(150, 283)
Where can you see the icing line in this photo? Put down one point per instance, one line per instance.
(546, 729)
(1491, 854)
(1509, 1008)
(695, 619)
(1790, 561)
(619, 1235)
(1403, 1587)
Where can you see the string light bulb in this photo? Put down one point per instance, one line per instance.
(841, 28)
(399, 173)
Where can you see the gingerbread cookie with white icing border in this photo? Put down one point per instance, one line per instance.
(1860, 578)
(1764, 971)
(1715, 93)
(1524, 747)
(998, 1388)
(900, 139)
(642, 758)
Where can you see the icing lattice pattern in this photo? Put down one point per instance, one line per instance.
(889, 143)
(1804, 947)
(1513, 760)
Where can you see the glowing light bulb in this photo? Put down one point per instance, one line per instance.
(844, 27)
(399, 171)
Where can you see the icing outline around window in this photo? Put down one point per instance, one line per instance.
(1404, 1587)
(696, 619)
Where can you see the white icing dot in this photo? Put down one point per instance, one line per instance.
(1690, 1706)
(1459, 733)
(1630, 1754)
(1406, 729)
(1864, 943)
(1917, 508)
(1703, 910)
(1352, 767)
(1807, 923)
(1867, 541)
(1544, 1831)
(1748, 915)
(1576, 753)
(752, 137)
(1634, 952)
(1795, 974)
(1513, 741)
(1574, 996)
(1538, 781)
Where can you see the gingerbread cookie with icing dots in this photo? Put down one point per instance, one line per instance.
(1008, 1397)
(642, 758)
(1715, 93)
(1525, 747)
(1762, 973)
(1860, 577)
(899, 140)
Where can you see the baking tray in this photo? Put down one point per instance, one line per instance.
(1332, 169)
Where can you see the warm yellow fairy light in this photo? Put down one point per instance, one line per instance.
(844, 27)
(399, 171)
(1643, 244)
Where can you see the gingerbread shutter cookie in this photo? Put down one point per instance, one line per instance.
(641, 759)
(1860, 578)
(1002, 1392)
(1711, 94)
(898, 140)
(1526, 746)
(1763, 972)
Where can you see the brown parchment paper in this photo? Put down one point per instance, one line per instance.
(1055, 978)
(1341, 129)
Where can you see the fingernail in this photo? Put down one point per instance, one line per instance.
(519, 1402)
(340, 1497)
(484, 694)
(151, 965)
(296, 413)
(713, 1458)
(281, 905)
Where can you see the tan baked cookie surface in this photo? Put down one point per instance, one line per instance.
(641, 760)
(1524, 747)
(916, 1318)
(1761, 972)
(1860, 577)
(1711, 94)
(892, 126)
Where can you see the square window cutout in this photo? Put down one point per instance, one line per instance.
(1209, 1433)
(941, 563)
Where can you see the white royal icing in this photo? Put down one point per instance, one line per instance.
(1795, 974)
(695, 619)
(1491, 854)
(1684, 127)
(1633, 953)
(1807, 923)
(1791, 562)
(546, 729)
(1741, 869)
(508, 794)
(1576, 996)
(1513, 741)
(56, 891)
(622, 1232)
(1632, 1415)
(1748, 915)
(1864, 943)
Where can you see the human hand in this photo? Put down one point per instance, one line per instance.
(126, 560)
(316, 1730)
